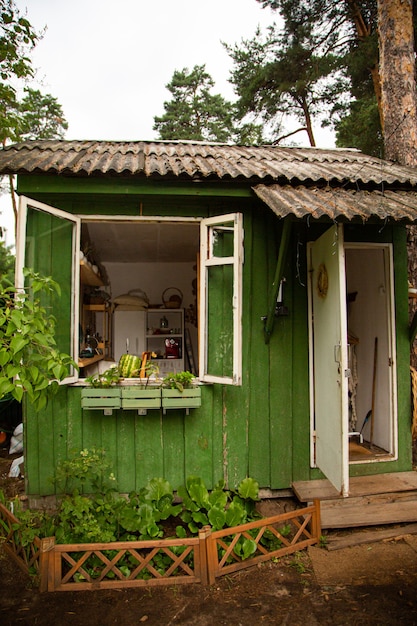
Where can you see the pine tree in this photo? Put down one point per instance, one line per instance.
(285, 74)
(345, 32)
(194, 113)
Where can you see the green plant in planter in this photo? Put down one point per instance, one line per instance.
(151, 369)
(106, 379)
(179, 381)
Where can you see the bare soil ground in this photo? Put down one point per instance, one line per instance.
(371, 584)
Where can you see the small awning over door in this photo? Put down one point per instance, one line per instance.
(337, 202)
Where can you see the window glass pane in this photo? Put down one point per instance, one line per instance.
(220, 321)
(222, 241)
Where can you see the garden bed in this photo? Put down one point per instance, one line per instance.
(200, 559)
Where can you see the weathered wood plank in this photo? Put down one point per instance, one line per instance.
(259, 237)
(369, 511)
(371, 536)
(309, 490)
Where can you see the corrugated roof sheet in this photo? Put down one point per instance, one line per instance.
(202, 160)
(338, 202)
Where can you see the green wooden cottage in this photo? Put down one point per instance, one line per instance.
(278, 275)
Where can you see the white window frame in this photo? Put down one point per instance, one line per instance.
(234, 222)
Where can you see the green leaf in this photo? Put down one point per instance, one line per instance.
(245, 548)
(186, 500)
(217, 517)
(16, 316)
(4, 357)
(198, 491)
(218, 498)
(124, 570)
(18, 343)
(235, 514)
(5, 385)
(157, 488)
(249, 489)
(12, 370)
(180, 532)
(200, 518)
(17, 393)
(42, 339)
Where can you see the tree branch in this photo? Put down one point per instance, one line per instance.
(294, 132)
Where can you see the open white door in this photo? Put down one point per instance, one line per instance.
(330, 357)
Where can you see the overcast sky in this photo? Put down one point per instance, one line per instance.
(108, 61)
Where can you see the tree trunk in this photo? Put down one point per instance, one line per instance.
(309, 125)
(397, 74)
(399, 104)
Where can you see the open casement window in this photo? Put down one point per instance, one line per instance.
(48, 242)
(220, 320)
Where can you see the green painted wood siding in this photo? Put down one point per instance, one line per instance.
(261, 429)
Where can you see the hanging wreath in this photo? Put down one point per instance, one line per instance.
(322, 281)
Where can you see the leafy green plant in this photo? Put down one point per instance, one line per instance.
(104, 516)
(179, 381)
(31, 524)
(218, 508)
(144, 510)
(298, 563)
(151, 369)
(112, 376)
(88, 470)
(30, 361)
(84, 520)
(106, 379)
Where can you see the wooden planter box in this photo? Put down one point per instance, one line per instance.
(139, 398)
(101, 399)
(187, 399)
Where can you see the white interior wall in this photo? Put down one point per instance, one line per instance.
(153, 279)
(368, 319)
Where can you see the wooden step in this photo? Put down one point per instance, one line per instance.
(309, 490)
(373, 500)
(390, 508)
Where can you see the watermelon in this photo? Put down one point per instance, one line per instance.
(129, 365)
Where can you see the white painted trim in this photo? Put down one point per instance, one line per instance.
(137, 218)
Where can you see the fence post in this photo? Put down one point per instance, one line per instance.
(203, 535)
(317, 520)
(46, 547)
(212, 562)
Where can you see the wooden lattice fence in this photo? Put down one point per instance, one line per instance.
(199, 559)
(267, 538)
